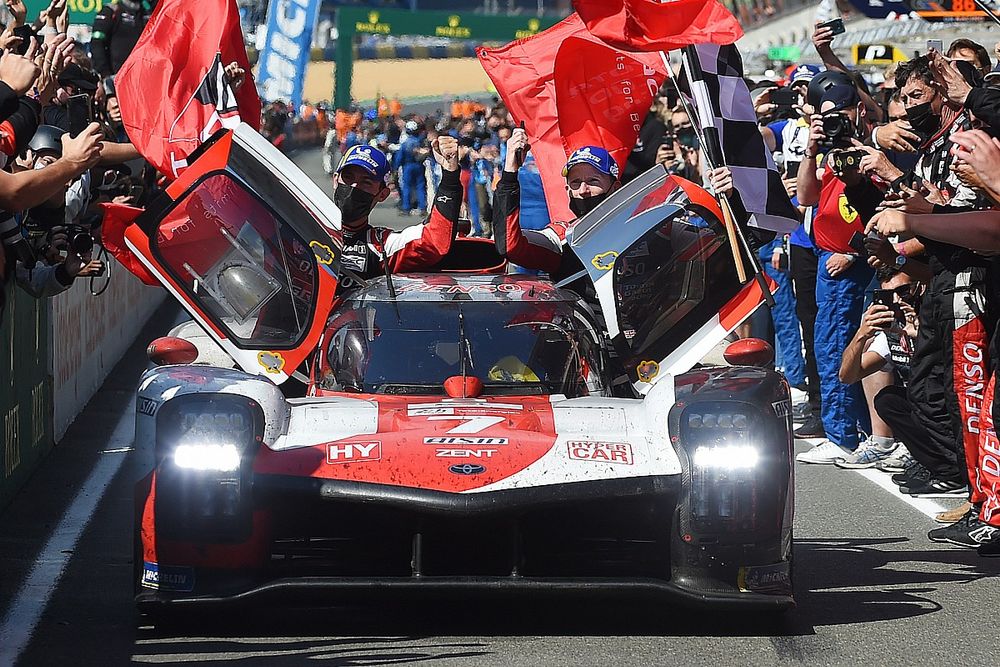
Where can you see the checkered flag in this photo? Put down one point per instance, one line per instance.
(726, 115)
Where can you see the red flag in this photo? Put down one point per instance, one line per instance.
(117, 217)
(572, 90)
(172, 91)
(651, 25)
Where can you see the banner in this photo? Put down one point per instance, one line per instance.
(572, 90)
(283, 60)
(172, 88)
(651, 25)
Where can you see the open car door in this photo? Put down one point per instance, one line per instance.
(660, 260)
(250, 246)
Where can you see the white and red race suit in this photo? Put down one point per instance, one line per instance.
(416, 248)
(540, 249)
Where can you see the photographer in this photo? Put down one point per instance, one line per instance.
(844, 201)
(879, 357)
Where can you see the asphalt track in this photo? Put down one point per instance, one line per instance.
(871, 589)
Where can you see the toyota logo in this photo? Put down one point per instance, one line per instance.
(467, 469)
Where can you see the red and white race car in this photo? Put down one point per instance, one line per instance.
(453, 431)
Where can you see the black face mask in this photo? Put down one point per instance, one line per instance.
(582, 207)
(686, 136)
(354, 203)
(923, 120)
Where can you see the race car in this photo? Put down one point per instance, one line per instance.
(459, 430)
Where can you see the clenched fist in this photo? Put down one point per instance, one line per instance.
(445, 151)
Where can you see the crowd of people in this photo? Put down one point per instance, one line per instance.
(888, 305)
(63, 148)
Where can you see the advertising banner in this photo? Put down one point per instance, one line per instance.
(283, 60)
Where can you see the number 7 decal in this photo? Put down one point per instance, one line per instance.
(470, 424)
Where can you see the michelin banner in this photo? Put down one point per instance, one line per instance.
(283, 60)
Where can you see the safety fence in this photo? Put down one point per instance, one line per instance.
(56, 354)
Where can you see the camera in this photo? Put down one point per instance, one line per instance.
(79, 238)
(838, 129)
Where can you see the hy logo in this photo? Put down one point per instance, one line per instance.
(212, 107)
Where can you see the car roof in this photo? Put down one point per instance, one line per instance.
(438, 287)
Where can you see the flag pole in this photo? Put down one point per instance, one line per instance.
(703, 122)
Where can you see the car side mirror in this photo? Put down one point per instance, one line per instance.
(749, 352)
(171, 350)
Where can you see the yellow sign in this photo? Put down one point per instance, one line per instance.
(373, 26)
(272, 362)
(647, 371)
(453, 29)
(876, 54)
(604, 261)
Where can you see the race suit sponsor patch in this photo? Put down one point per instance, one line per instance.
(603, 452)
(146, 406)
(350, 452)
(167, 577)
(457, 441)
(782, 408)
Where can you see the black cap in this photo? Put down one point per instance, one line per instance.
(83, 79)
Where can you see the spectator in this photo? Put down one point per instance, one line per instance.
(116, 30)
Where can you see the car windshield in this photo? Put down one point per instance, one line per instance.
(513, 347)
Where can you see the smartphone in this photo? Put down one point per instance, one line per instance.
(78, 107)
(883, 297)
(135, 193)
(792, 169)
(836, 25)
(25, 33)
(784, 97)
(935, 44)
(857, 242)
(845, 161)
(667, 140)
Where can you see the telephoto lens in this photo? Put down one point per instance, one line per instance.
(81, 242)
(10, 234)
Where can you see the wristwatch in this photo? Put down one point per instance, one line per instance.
(900, 262)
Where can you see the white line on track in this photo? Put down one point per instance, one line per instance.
(927, 506)
(29, 604)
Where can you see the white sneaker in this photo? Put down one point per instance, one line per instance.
(824, 454)
(898, 462)
(866, 455)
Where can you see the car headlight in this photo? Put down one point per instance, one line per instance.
(725, 457)
(210, 433)
(222, 458)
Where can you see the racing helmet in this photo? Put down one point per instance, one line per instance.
(348, 356)
(244, 288)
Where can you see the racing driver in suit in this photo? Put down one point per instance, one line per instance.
(360, 183)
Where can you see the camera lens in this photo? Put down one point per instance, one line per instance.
(81, 243)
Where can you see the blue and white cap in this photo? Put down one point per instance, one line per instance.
(596, 157)
(805, 73)
(368, 158)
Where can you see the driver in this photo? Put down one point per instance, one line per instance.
(361, 182)
(591, 176)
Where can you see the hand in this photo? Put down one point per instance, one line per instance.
(235, 75)
(94, 267)
(816, 134)
(837, 263)
(949, 80)
(58, 242)
(910, 319)
(776, 259)
(19, 72)
(17, 11)
(876, 163)
(912, 201)
(979, 151)
(62, 19)
(82, 265)
(897, 136)
(518, 140)
(123, 199)
(889, 223)
(968, 175)
(51, 62)
(791, 186)
(84, 150)
(822, 37)
(721, 180)
(763, 106)
(664, 155)
(445, 151)
(877, 319)
(692, 157)
(9, 41)
(881, 249)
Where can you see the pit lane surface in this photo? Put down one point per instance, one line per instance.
(870, 587)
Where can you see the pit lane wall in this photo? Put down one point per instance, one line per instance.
(54, 355)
